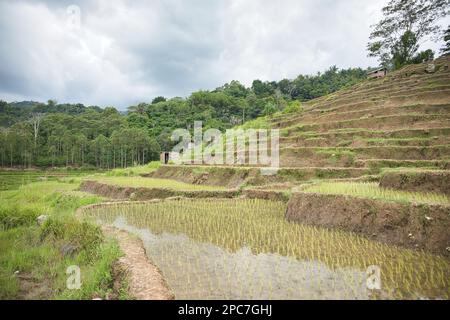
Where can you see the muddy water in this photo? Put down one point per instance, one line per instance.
(196, 270)
(245, 249)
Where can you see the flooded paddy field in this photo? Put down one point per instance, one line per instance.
(245, 249)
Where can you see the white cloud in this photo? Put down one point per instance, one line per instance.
(127, 52)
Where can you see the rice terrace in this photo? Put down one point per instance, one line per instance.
(97, 203)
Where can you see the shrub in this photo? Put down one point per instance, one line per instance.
(293, 107)
(84, 236)
(15, 216)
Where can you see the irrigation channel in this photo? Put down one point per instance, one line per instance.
(245, 249)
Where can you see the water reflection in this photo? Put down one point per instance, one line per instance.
(196, 270)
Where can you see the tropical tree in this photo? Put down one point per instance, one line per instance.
(141, 108)
(406, 23)
(446, 49)
(158, 99)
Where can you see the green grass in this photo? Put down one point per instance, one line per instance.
(30, 254)
(373, 191)
(413, 170)
(134, 171)
(140, 182)
(13, 179)
(258, 123)
(378, 165)
(337, 154)
(34, 252)
(401, 141)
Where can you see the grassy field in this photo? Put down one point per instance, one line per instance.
(140, 182)
(373, 191)
(134, 171)
(32, 265)
(13, 179)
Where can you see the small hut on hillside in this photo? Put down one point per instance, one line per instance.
(377, 73)
(166, 156)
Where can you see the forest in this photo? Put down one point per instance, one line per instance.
(74, 135)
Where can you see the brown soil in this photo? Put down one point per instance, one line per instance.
(409, 225)
(138, 194)
(266, 195)
(32, 289)
(145, 281)
(235, 176)
(436, 181)
(213, 176)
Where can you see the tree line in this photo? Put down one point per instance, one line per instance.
(52, 134)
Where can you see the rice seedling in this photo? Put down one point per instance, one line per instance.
(245, 249)
(373, 191)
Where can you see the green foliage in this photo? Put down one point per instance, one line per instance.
(446, 49)
(15, 216)
(405, 52)
(258, 123)
(101, 138)
(135, 171)
(158, 99)
(84, 236)
(373, 191)
(29, 251)
(79, 136)
(269, 109)
(293, 107)
(394, 40)
(98, 278)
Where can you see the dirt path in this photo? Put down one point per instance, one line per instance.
(145, 281)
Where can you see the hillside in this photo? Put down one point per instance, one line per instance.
(400, 120)
(372, 159)
(52, 134)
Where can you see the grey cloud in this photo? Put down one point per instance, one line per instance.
(131, 51)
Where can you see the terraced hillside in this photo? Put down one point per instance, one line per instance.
(372, 159)
(400, 120)
(364, 181)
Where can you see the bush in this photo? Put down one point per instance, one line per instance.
(84, 236)
(15, 216)
(52, 228)
(258, 123)
(293, 107)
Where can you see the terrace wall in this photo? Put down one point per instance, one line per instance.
(412, 226)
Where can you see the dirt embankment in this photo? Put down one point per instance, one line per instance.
(436, 181)
(146, 194)
(121, 193)
(212, 176)
(234, 177)
(266, 195)
(145, 281)
(412, 226)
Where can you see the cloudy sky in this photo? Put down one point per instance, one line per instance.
(123, 52)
